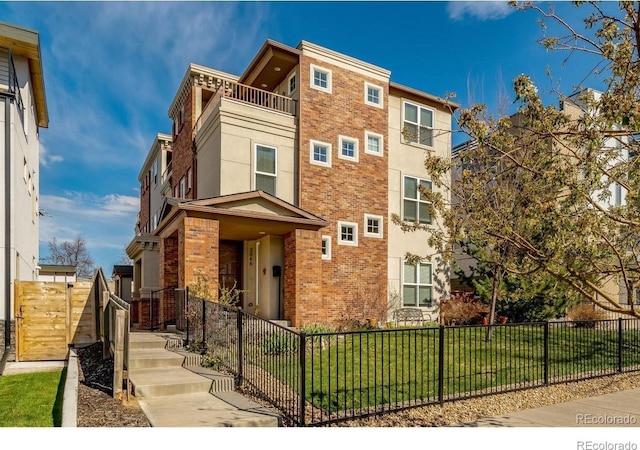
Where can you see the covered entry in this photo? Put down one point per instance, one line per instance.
(247, 240)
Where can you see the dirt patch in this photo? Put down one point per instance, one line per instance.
(96, 406)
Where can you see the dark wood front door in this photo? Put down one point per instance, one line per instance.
(230, 266)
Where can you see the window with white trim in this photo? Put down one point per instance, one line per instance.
(175, 191)
(189, 178)
(372, 225)
(321, 79)
(266, 168)
(25, 170)
(414, 207)
(417, 124)
(326, 248)
(347, 233)
(183, 188)
(292, 84)
(417, 285)
(373, 95)
(348, 148)
(155, 221)
(373, 143)
(155, 172)
(320, 153)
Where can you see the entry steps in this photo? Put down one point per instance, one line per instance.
(173, 390)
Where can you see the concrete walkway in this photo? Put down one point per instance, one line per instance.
(619, 409)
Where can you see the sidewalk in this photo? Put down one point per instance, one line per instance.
(619, 409)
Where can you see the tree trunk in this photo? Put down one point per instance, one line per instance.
(494, 299)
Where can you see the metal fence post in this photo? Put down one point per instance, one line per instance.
(302, 374)
(204, 325)
(151, 310)
(441, 366)
(240, 355)
(546, 353)
(186, 310)
(620, 338)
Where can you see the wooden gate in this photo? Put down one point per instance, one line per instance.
(50, 316)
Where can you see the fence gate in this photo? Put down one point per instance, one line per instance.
(49, 316)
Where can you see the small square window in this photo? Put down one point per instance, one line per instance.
(347, 233)
(373, 95)
(372, 225)
(326, 247)
(320, 153)
(374, 143)
(348, 148)
(320, 79)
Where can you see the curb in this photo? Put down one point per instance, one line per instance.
(70, 397)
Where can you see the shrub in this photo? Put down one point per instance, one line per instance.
(279, 343)
(585, 314)
(315, 328)
(462, 308)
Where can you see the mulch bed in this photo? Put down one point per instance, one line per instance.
(96, 406)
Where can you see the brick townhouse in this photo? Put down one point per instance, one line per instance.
(282, 181)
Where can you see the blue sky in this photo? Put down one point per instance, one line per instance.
(112, 68)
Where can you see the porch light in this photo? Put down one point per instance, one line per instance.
(277, 69)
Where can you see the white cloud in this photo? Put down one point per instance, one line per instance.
(106, 222)
(46, 159)
(481, 10)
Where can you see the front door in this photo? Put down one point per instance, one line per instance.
(230, 267)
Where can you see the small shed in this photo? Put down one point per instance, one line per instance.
(57, 273)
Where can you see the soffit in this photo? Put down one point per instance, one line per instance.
(271, 65)
(26, 43)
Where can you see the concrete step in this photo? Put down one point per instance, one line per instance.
(282, 323)
(167, 382)
(142, 340)
(206, 410)
(149, 358)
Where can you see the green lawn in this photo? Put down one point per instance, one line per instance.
(32, 400)
(361, 370)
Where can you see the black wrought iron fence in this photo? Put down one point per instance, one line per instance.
(163, 309)
(316, 379)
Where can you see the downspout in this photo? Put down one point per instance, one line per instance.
(7, 233)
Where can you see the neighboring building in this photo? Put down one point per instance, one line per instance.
(122, 277)
(57, 273)
(282, 181)
(574, 106)
(23, 111)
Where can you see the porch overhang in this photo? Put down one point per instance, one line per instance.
(242, 217)
(271, 64)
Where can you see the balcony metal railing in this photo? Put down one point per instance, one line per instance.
(9, 81)
(250, 95)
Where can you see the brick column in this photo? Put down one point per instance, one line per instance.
(303, 278)
(168, 269)
(199, 244)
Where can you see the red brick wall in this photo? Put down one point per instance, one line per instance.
(303, 278)
(199, 244)
(182, 157)
(345, 191)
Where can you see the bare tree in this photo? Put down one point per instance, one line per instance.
(72, 253)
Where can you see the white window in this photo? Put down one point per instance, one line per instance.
(155, 221)
(189, 179)
(372, 225)
(347, 233)
(25, 170)
(348, 148)
(326, 247)
(321, 79)
(320, 153)
(266, 168)
(30, 184)
(415, 207)
(417, 124)
(183, 188)
(155, 172)
(373, 143)
(617, 200)
(373, 95)
(292, 84)
(417, 285)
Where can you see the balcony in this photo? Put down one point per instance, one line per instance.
(9, 81)
(248, 95)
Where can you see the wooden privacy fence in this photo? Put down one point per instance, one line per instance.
(51, 317)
